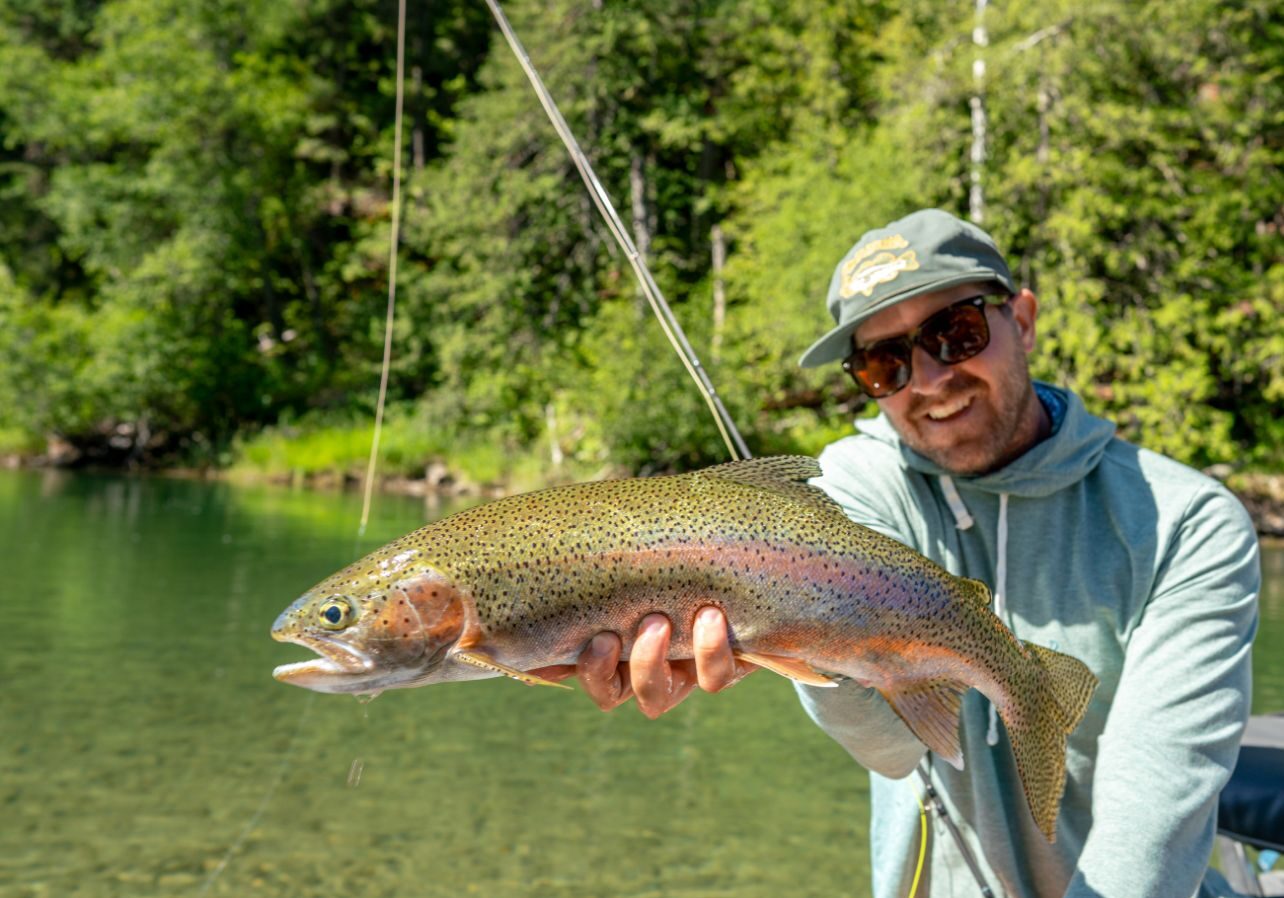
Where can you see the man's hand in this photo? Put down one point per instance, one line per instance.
(658, 683)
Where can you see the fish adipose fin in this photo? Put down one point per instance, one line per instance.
(485, 662)
(930, 708)
(793, 668)
(1054, 700)
(976, 591)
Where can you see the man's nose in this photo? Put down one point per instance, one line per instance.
(930, 376)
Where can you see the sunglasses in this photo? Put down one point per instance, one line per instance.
(954, 334)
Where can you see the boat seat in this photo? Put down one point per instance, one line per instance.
(1250, 811)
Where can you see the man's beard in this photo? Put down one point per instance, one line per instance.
(1010, 402)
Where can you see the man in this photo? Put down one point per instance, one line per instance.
(1142, 568)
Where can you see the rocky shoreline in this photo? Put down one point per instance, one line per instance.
(1267, 515)
(1261, 494)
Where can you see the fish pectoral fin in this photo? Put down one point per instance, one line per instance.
(485, 662)
(930, 708)
(793, 668)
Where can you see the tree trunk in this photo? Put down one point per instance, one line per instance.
(976, 191)
(641, 231)
(554, 442)
(417, 132)
(719, 292)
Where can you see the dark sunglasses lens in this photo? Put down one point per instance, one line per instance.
(955, 334)
(882, 369)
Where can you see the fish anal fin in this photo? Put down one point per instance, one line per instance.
(793, 668)
(485, 662)
(930, 708)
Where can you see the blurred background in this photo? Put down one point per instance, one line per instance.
(194, 221)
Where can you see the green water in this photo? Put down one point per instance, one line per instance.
(146, 750)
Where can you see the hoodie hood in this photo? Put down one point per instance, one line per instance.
(1077, 442)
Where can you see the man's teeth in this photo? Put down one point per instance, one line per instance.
(944, 411)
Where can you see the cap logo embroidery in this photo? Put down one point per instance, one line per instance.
(872, 265)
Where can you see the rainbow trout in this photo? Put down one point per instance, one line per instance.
(526, 581)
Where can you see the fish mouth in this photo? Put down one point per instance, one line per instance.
(338, 666)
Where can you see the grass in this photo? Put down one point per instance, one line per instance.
(312, 450)
(15, 441)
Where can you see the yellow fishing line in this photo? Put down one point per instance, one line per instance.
(922, 845)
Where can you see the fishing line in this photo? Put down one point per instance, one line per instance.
(668, 323)
(922, 846)
(281, 770)
(392, 268)
(354, 774)
(673, 331)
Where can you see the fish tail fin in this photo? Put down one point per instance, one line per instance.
(1069, 680)
(1055, 700)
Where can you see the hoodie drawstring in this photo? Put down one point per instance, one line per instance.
(963, 520)
(1000, 599)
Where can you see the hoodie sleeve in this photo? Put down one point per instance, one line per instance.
(1173, 733)
(856, 717)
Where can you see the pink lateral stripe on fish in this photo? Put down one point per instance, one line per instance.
(525, 582)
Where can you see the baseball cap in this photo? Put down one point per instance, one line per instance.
(923, 252)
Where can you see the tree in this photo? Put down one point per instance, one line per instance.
(206, 178)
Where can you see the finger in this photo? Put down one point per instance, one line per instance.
(603, 677)
(715, 664)
(657, 684)
(682, 680)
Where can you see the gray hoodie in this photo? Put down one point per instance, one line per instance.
(1142, 568)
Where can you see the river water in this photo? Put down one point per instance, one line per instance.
(145, 749)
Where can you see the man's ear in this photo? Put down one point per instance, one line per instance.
(1025, 310)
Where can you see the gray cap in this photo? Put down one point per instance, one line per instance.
(923, 252)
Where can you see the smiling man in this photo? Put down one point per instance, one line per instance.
(966, 414)
(1142, 568)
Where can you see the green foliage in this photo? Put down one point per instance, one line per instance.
(1133, 176)
(529, 303)
(1142, 203)
(202, 180)
(194, 219)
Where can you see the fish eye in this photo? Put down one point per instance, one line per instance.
(336, 613)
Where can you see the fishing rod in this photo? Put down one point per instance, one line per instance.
(668, 323)
(942, 813)
(677, 338)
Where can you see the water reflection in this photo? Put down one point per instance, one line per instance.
(146, 750)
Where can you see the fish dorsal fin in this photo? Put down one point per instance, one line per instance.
(783, 474)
